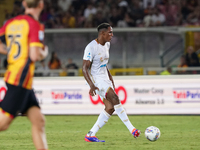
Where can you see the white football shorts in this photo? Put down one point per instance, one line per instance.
(104, 86)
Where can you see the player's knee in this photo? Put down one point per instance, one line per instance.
(40, 123)
(4, 122)
(115, 99)
(6, 127)
(3, 127)
(110, 109)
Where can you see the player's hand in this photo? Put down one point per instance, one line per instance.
(92, 90)
(44, 52)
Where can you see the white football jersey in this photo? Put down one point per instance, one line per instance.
(99, 55)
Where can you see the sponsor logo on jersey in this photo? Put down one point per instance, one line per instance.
(103, 65)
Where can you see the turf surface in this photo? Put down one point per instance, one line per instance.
(67, 133)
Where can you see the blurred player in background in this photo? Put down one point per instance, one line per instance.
(23, 38)
(98, 77)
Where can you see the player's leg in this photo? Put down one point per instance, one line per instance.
(9, 106)
(109, 108)
(38, 128)
(114, 100)
(5, 120)
(102, 119)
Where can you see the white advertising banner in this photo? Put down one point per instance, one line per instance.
(138, 94)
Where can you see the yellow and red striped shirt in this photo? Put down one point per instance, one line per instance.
(21, 33)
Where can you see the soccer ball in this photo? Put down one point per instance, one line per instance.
(152, 133)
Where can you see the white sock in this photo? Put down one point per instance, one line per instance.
(101, 121)
(123, 116)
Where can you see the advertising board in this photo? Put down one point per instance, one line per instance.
(138, 95)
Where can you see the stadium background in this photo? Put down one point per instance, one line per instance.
(146, 48)
(138, 55)
(137, 51)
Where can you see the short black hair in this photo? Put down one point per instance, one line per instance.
(103, 26)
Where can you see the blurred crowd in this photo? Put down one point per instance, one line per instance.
(55, 63)
(119, 13)
(189, 59)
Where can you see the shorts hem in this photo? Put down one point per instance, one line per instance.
(7, 114)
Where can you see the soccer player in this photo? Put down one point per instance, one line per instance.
(98, 77)
(23, 37)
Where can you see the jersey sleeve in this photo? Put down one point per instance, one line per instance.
(36, 35)
(88, 53)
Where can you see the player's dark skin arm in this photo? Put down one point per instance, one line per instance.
(85, 68)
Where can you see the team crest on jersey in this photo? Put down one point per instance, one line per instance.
(101, 59)
(41, 35)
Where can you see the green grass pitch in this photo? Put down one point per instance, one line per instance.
(67, 133)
